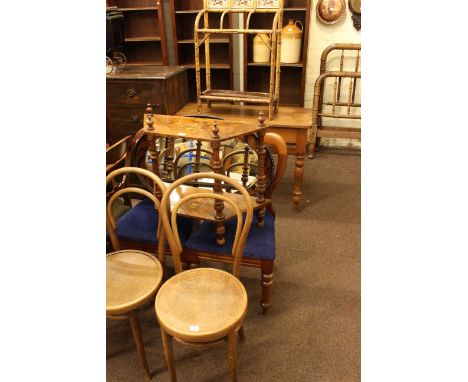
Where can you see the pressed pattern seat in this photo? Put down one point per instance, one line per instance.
(195, 320)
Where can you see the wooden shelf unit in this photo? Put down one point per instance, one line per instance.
(144, 31)
(184, 13)
(292, 78)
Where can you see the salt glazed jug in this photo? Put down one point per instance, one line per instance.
(261, 48)
(291, 41)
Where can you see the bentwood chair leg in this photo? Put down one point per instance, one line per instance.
(232, 355)
(136, 331)
(169, 354)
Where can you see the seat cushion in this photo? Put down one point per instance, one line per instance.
(260, 241)
(140, 224)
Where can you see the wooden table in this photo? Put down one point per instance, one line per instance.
(215, 132)
(291, 123)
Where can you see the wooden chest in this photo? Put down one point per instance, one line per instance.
(129, 90)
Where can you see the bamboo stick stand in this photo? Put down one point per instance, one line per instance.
(202, 36)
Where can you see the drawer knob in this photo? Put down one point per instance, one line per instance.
(135, 119)
(131, 92)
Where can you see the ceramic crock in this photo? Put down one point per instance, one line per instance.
(291, 41)
(261, 50)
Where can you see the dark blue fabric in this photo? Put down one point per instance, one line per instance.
(260, 242)
(141, 222)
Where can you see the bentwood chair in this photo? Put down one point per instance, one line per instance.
(204, 305)
(137, 228)
(260, 249)
(132, 277)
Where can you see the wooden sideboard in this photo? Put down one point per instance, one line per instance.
(128, 92)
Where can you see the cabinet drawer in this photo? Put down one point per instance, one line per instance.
(134, 93)
(125, 121)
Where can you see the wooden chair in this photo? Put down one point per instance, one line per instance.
(260, 251)
(204, 305)
(132, 277)
(117, 156)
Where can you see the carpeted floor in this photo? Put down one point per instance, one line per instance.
(312, 331)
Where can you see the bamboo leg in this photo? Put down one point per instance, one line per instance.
(350, 95)
(278, 65)
(207, 58)
(273, 69)
(136, 331)
(232, 355)
(169, 355)
(355, 79)
(339, 80)
(197, 70)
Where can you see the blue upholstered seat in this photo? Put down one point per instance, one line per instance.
(260, 242)
(141, 222)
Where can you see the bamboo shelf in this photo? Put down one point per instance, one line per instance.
(225, 8)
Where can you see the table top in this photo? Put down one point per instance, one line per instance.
(132, 279)
(146, 72)
(287, 116)
(200, 128)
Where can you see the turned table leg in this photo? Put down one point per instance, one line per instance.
(301, 144)
(218, 205)
(153, 150)
(261, 177)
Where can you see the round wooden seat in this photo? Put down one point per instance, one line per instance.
(201, 305)
(132, 279)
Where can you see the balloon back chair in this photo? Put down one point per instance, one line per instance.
(204, 305)
(132, 277)
(260, 250)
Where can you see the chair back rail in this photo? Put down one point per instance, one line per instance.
(117, 154)
(169, 221)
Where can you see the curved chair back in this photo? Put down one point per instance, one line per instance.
(110, 220)
(169, 216)
(117, 154)
(279, 144)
